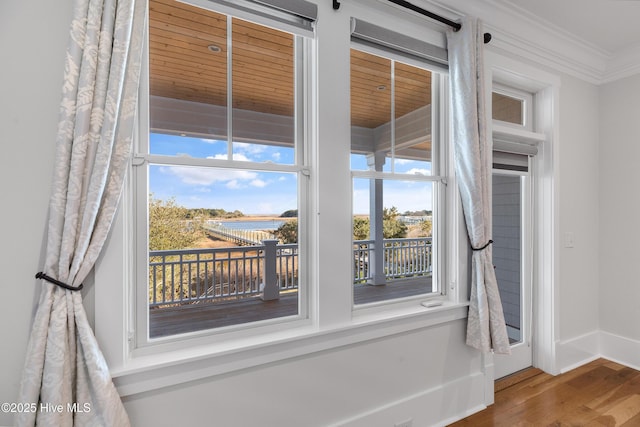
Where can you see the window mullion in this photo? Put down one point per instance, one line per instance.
(229, 87)
(218, 163)
(393, 116)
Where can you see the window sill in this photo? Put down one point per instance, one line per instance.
(150, 372)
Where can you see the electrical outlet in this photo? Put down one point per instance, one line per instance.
(405, 423)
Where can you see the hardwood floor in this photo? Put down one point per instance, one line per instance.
(601, 393)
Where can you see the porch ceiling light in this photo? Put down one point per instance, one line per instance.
(214, 48)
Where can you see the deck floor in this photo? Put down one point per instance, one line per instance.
(190, 318)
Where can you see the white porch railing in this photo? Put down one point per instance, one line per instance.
(402, 258)
(190, 276)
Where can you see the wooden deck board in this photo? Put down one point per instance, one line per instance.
(190, 318)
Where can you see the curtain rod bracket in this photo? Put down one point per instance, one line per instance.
(336, 5)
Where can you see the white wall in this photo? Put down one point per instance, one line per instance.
(410, 373)
(578, 199)
(620, 219)
(33, 39)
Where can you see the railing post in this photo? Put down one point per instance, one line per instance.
(271, 290)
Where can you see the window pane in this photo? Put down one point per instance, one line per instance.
(392, 239)
(176, 145)
(412, 117)
(187, 72)
(507, 109)
(220, 236)
(507, 232)
(370, 103)
(378, 142)
(263, 91)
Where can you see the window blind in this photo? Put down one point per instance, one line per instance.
(514, 156)
(385, 39)
(295, 16)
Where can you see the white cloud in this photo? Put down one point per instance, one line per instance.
(258, 183)
(418, 171)
(234, 185)
(236, 156)
(243, 148)
(209, 176)
(403, 161)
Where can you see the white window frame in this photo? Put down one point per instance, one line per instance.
(142, 160)
(331, 320)
(527, 105)
(440, 177)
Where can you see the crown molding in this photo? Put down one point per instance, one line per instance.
(624, 64)
(522, 34)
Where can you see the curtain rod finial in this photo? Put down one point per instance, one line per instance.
(487, 38)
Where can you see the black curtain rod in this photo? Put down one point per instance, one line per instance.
(455, 25)
(421, 11)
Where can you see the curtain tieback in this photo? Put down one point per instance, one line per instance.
(49, 279)
(483, 247)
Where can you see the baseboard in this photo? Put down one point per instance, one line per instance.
(586, 348)
(438, 406)
(447, 403)
(619, 349)
(577, 351)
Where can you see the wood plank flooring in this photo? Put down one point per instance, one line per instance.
(600, 393)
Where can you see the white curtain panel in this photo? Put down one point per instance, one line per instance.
(64, 368)
(486, 329)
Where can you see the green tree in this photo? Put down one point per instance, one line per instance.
(392, 227)
(426, 227)
(170, 225)
(360, 228)
(288, 232)
(291, 213)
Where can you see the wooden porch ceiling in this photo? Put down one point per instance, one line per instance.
(182, 66)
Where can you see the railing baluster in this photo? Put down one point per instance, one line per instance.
(222, 273)
(155, 284)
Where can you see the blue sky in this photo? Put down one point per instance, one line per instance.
(258, 192)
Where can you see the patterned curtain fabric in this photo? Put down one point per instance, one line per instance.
(64, 368)
(486, 329)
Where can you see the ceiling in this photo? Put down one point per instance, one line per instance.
(609, 25)
(184, 67)
(188, 61)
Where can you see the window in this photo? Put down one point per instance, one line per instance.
(396, 174)
(221, 187)
(512, 107)
(242, 190)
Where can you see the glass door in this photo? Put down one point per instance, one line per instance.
(512, 261)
